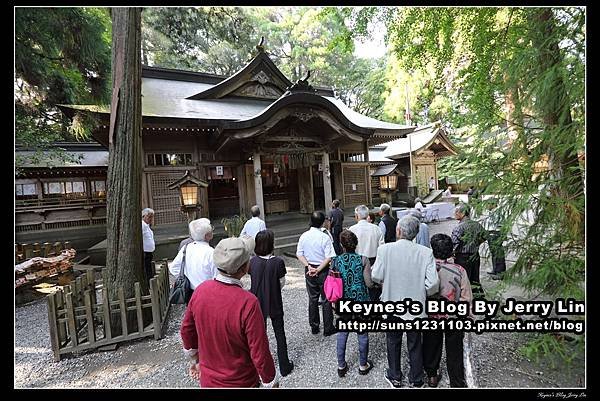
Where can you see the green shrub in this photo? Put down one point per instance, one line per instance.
(233, 225)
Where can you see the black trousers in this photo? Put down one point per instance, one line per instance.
(282, 350)
(375, 292)
(495, 241)
(432, 355)
(337, 247)
(471, 262)
(314, 287)
(148, 265)
(415, 355)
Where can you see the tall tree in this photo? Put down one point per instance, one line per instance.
(516, 79)
(123, 211)
(62, 55)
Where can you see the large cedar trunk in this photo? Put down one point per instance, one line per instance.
(123, 214)
(556, 108)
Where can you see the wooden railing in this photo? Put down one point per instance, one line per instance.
(79, 321)
(34, 204)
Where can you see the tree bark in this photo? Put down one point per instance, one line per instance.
(555, 106)
(123, 214)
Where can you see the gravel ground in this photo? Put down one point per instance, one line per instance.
(151, 363)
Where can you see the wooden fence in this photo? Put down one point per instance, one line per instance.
(79, 321)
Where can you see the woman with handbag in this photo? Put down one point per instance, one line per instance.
(267, 273)
(355, 271)
(194, 262)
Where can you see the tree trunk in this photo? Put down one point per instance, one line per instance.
(123, 214)
(555, 106)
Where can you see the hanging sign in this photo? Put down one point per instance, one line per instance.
(219, 170)
(276, 169)
(354, 187)
(320, 167)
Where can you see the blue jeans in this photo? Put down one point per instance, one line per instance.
(363, 348)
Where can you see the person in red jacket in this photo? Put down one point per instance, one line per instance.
(223, 330)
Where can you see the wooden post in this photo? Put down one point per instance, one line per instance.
(258, 189)
(326, 180)
(123, 307)
(71, 320)
(53, 327)
(89, 317)
(368, 183)
(138, 308)
(155, 306)
(106, 312)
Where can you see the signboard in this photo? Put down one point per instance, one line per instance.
(276, 169)
(354, 187)
(219, 170)
(320, 167)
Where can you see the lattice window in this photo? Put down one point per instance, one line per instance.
(355, 187)
(165, 202)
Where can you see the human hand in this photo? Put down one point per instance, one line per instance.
(194, 371)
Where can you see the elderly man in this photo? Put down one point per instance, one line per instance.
(406, 270)
(466, 237)
(315, 250)
(370, 238)
(387, 225)
(196, 257)
(148, 240)
(254, 225)
(423, 235)
(223, 330)
(336, 219)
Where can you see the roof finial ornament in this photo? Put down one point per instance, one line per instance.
(302, 85)
(260, 47)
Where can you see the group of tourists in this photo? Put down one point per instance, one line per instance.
(224, 326)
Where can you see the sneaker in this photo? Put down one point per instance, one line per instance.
(366, 371)
(416, 385)
(394, 383)
(315, 330)
(342, 372)
(287, 371)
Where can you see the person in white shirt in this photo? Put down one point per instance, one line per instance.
(315, 250)
(431, 184)
(148, 240)
(419, 204)
(370, 238)
(369, 235)
(447, 192)
(199, 265)
(254, 225)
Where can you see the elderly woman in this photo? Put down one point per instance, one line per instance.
(423, 235)
(355, 270)
(196, 258)
(419, 204)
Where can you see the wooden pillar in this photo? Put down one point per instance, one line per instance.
(258, 184)
(326, 180)
(368, 183)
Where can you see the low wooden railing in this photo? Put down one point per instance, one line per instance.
(79, 321)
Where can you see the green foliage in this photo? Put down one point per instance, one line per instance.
(513, 80)
(233, 225)
(62, 56)
(554, 349)
(221, 40)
